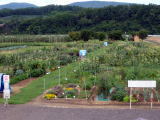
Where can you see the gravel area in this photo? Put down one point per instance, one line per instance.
(33, 112)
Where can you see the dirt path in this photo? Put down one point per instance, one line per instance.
(154, 39)
(17, 87)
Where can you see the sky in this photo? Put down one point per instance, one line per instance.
(65, 2)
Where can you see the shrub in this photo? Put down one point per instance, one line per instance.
(115, 35)
(101, 36)
(37, 72)
(36, 65)
(75, 36)
(142, 34)
(85, 35)
(19, 78)
(119, 95)
(65, 59)
(127, 99)
(19, 72)
(104, 84)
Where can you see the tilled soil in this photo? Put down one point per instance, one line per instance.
(32, 112)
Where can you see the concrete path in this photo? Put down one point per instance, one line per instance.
(32, 112)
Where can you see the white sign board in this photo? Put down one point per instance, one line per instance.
(141, 84)
(82, 53)
(6, 78)
(6, 94)
(6, 81)
(105, 43)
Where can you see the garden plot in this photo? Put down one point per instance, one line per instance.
(38, 59)
(109, 69)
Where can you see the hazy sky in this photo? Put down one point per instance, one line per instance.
(64, 2)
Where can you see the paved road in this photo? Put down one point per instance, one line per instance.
(31, 112)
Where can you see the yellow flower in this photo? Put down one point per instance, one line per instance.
(69, 89)
(49, 96)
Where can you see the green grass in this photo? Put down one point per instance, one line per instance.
(36, 88)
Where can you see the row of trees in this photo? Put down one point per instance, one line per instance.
(85, 35)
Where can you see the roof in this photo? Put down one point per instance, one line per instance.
(2, 25)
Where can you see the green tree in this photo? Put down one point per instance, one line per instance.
(75, 36)
(101, 36)
(85, 35)
(115, 35)
(142, 34)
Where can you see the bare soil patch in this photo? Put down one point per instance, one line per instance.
(155, 39)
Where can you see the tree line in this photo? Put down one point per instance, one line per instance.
(85, 35)
(64, 19)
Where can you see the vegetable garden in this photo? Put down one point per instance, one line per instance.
(57, 64)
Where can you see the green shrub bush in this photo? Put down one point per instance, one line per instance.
(75, 36)
(37, 72)
(19, 78)
(127, 99)
(119, 95)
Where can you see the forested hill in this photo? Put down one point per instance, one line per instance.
(16, 5)
(37, 11)
(63, 19)
(97, 4)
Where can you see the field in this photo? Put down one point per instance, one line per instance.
(57, 65)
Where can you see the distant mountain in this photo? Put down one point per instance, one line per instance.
(97, 4)
(17, 5)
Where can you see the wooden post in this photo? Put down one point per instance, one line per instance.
(131, 98)
(152, 98)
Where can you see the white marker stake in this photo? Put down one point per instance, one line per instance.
(6, 96)
(130, 98)
(6, 91)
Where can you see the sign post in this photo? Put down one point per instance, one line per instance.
(130, 99)
(6, 91)
(152, 98)
(141, 84)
